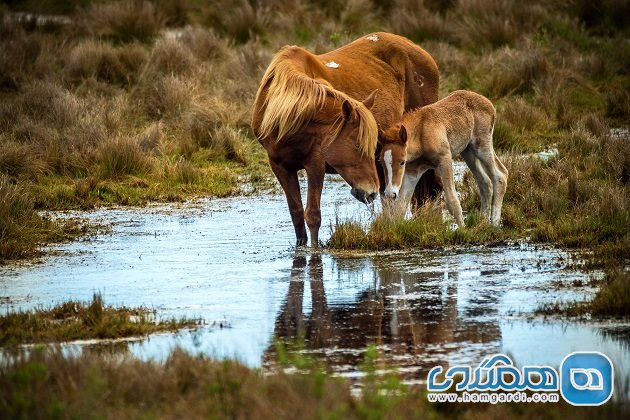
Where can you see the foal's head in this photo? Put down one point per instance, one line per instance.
(393, 158)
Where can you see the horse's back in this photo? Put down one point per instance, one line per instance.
(404, 73)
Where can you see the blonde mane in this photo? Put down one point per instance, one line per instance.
(293, 98)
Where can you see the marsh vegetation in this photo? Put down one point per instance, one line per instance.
(131, 101)
(128, 102)
(72, 320)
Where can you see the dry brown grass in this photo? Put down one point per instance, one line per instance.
(521, 126)
(510, 71)
(239, 20)
(20, 160)
(117, 65)
(50, 103)
(172, 57)
(123, 156)
(125, 20)
(204, 43)
(413, 19)
(164, 97)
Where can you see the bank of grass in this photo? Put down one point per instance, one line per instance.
(47, 384)
(74, 320)
(611, 300)
(23, 230)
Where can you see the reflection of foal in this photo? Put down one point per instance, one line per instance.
(462, 123)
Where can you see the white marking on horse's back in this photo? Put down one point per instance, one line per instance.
(373, 38)
(332, 65)
(387, 157)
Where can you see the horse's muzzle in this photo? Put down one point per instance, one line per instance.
(363, 196)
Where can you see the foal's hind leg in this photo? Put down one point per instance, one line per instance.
(482, 179)
(497, 204)
(498, 175)
(445, 170)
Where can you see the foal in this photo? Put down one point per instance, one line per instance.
(429, 137)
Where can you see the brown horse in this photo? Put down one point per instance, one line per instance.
(428, 138)
(307, 114)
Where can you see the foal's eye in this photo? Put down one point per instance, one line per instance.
(402, 163)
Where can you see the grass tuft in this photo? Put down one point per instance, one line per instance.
(123, 156)
(125, 21)
(73, 320)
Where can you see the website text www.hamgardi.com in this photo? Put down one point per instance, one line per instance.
(492, 397)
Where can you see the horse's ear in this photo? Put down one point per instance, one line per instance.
(402, 134)
(369, 101)
(347, 110)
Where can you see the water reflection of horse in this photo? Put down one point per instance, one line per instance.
(308, 116)
(415, 323)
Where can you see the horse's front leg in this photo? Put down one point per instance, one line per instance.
(291, 186)
(315, 171)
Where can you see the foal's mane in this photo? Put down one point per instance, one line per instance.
(293, 98)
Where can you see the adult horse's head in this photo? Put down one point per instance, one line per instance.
(351, 145)
(393, 158)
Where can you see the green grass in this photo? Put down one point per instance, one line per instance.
(74, 320)
(45, 384)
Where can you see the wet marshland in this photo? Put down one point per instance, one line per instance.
(232, 263)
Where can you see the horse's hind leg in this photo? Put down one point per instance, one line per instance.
(498, 175)
(445, 170)
(482, 179)
(291, 186)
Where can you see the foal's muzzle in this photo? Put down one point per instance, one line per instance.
(363, 196)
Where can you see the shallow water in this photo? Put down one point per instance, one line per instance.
(232, 263)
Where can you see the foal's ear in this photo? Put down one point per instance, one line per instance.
(347, 110)
(402, 134)
(369, 101)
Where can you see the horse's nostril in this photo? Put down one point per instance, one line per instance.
(394, 196)
(373, 196)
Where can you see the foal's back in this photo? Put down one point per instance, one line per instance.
(463, 116)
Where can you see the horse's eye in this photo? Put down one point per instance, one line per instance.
(402, 163)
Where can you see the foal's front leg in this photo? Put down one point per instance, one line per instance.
(315, 172)
(410, 180)
(445, 170)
